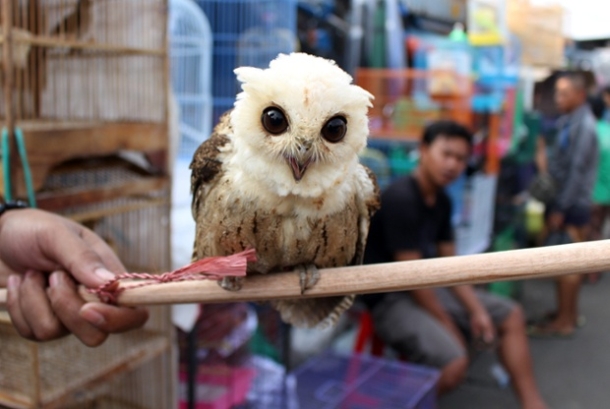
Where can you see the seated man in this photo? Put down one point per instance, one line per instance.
(427, 326)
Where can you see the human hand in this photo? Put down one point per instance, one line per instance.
(34, 243)
(482, 327)
(556, 220)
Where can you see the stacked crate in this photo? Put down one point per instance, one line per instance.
(86, 82)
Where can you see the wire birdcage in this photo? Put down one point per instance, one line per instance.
(88, 60)
(87, 83)
(84, 78)
(191, 72)
(246, 32)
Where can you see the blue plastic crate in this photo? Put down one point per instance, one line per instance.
(333, 381)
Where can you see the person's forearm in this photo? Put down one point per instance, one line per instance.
(427, 300)
(541, 158)
(466, 295)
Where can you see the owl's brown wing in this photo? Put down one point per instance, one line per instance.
(207, 164)
(369, 201)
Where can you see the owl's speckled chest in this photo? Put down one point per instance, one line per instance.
(282, 235)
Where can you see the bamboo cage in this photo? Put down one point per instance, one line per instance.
(83, 78)
(86, 81)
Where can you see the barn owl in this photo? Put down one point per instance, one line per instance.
(280, 173)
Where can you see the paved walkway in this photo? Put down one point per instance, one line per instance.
(572, 374)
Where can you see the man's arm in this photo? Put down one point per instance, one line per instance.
(583, 162)
(425, 298)
(464, 293)
(541, 157)
(479, 317)
(401, 235)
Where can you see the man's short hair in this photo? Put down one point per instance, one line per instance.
(448, 129)
(577, 80)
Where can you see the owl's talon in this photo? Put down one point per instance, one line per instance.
(308, 277)
(231, 283)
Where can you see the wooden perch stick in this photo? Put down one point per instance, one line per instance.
(540, 262)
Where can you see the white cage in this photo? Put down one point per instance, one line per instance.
(190, 39)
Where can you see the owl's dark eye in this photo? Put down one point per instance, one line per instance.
(334, 129)
(274, 121)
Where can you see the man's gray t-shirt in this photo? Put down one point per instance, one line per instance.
(573, 159)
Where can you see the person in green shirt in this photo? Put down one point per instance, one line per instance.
(601, 190)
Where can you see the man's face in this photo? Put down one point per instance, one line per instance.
(567, 96)
(445, 159)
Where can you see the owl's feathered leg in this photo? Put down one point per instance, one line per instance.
(231, 283)
(308, 276)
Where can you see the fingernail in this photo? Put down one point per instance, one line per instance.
(104, 274)
(93, 317)
(13, 282)
(54, 280)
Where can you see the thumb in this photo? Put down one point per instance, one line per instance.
(73, 254)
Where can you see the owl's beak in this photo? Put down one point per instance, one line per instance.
(298, 167)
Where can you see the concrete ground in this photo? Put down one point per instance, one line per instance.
(572, 373)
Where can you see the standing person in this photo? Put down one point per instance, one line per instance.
(601, 190)
(572, 164)
(428, 326)
(606, 100)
